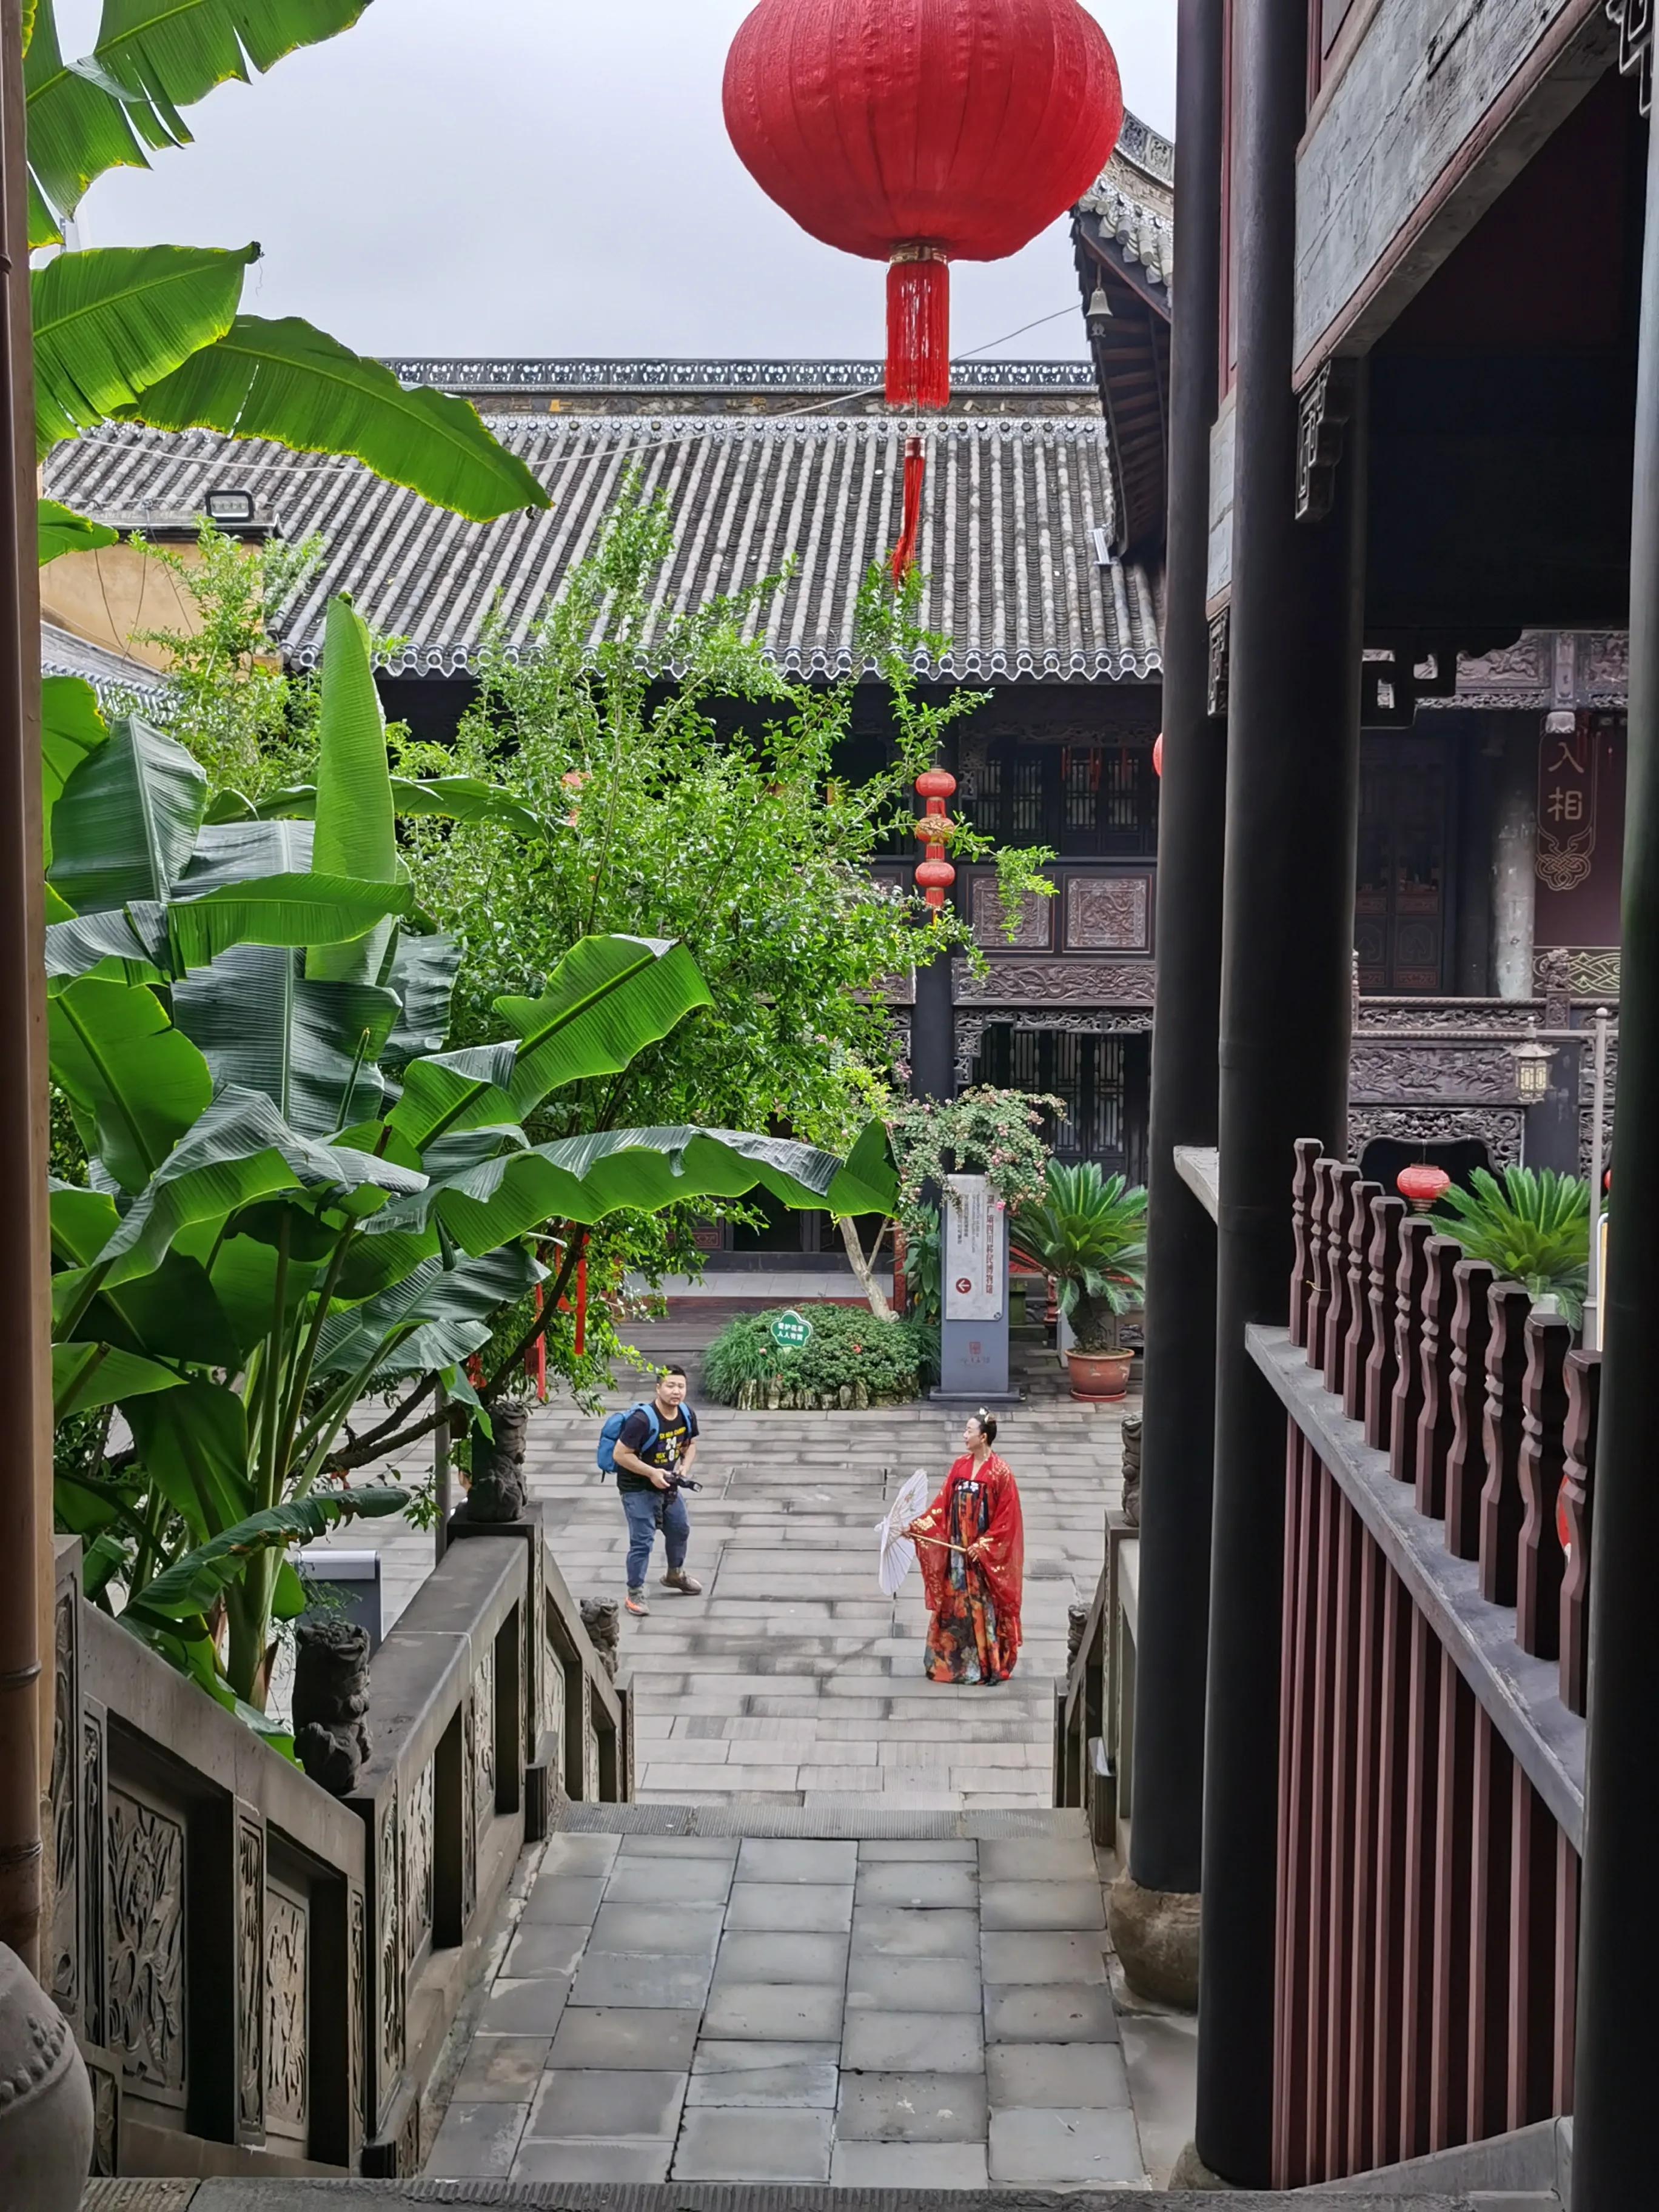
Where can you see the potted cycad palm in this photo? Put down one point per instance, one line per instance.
(1533, 1226)
(1089, 1231)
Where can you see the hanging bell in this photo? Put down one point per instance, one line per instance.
(1099, 309)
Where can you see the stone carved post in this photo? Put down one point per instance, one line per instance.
(1578, 1509)
(1410, 1281)
(1541, 1562)
(1357, 1344)
(1338, 1312)
(1382, 1282)
(330, 1696)
(1441, 1256)
(1466, 1462)
(1500, 1517)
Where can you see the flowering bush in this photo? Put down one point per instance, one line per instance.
(995, 1133)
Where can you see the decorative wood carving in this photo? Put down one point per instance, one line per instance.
(146, 1986)
(1436, 1422)
(1108, 914)
(1497, 1127)
(1034, 929)
(1338, 1312)
(1500, 1494)
(64, 1977)
(287, 1957)
(1541, 1563)
(1417, 1073)
(418, 1839)
(1220, 643)
(1323, 411)
(1578, 1509)
(1466, 1462)
(94, 1867)
(1486, 1018)
(105, 2116)
(1357, 1344)
(1382, 1289)
(250, 1973)
(1302, 1187)
(1060, 982)
(1410, 1281)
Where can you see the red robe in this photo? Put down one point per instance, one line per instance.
(974, 1636)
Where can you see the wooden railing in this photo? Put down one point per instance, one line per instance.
(261, 1975)
(1432, 1689)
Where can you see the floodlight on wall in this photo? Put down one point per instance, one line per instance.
(229, 506)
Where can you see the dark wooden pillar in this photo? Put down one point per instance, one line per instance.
(934, 1033)
(1286, 990)
(1618, 2031)
(1178, 1433)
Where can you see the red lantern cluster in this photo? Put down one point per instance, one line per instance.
(1420, 1185)
(935, 874)
(921, 132)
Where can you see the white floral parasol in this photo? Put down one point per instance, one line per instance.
(898, 1553)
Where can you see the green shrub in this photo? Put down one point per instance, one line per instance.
(851, 1360)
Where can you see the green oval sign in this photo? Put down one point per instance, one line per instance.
(791, 1330)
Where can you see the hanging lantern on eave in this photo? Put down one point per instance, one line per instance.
(919, 132)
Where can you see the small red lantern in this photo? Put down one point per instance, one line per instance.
(936, 878)
(1157, 754)
(935, 783)
(1420, 1185)
(918, 136)
(933, 828)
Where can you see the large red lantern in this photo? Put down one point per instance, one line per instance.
(919, 132)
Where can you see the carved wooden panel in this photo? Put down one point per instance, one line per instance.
(1062, 983)
(250, 1973)
(94, 1866)
(1497, 1127)
(146, 1936)
(287, 1960)
(1108, 914)
(1417, 1074)
(418, 1864)
(65, 1978)
(1034, 929)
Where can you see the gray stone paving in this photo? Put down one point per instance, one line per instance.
(868, 2013)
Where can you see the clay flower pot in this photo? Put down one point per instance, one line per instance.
(1099, 1375)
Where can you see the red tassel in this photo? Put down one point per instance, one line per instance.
(915, 468)
(918, 329)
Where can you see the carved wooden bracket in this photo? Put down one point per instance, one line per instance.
(1322, 413)
(1635, 21)
(1220, 654)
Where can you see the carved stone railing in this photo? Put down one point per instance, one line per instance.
(1094, 1706)
(261, 1975)
(1434, 1676)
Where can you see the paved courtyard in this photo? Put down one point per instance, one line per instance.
(892, 2014)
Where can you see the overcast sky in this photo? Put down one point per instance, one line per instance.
(547, 177)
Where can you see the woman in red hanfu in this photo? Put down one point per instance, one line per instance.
(972, 1543)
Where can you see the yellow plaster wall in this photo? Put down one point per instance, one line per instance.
(106, 596)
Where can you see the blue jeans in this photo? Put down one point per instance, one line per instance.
(648, 1511)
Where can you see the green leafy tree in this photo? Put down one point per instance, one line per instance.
(297, 1195)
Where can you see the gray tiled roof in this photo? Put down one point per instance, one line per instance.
(110, 674)
(1008, 544)
(1134, 200)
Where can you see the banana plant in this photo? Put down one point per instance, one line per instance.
(298, 1197)
(156, 334)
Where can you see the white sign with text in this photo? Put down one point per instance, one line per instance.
(974, 1274)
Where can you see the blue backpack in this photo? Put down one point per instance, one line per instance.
(614, 1423)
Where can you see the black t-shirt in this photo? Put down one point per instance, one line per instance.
(673, 1435)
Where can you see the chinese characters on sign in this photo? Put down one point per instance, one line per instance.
(791, 1330)
(974, 1263)
(1566, 800)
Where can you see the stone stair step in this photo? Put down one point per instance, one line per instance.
(832, 1823)
(305, 2196)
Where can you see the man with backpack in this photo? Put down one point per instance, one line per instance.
(650, 1448)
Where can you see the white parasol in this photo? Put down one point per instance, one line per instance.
(898, 1553)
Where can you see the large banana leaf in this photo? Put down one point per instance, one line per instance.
(456, 1302)
(127, 820)
(423, 974)
(244, 1285)
(58, 530)
(173, 52)
(286, 381)
(113, 321)
(82, 1221)
(583, 1179)
(454, 798)
(607, 999)
(151, 943)
(191, 1584)
(71, 728)
(194, 1444)
(135, 1083)
(240, 1151)
(174, 1314)
(310, 1047)
(356, 830)
(240, 852)
(77, 125)
(85, 1376)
